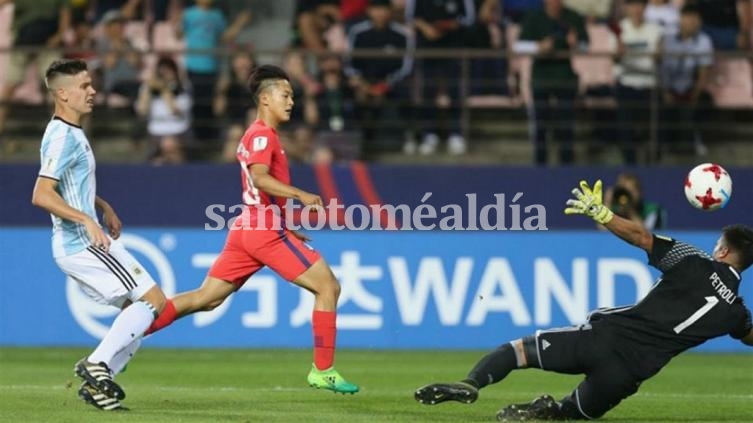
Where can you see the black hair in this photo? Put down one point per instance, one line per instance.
(264, 73)
(168, 62)
(739, 238)
(176, 87)
(690, 9)
(67, 67)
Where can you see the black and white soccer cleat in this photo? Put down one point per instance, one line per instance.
(99, 376)
(92, 396)
(441, 392)
(542, 408)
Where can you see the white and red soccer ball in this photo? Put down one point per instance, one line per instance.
(708, 187)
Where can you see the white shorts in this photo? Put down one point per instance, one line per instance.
(108, 278)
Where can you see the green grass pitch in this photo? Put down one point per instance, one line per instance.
(36, 385)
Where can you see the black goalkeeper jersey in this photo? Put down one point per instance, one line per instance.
(693, 301)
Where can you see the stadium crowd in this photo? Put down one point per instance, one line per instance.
(368, 78)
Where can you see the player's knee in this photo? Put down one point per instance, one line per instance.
(335, 286)
(211, 305)
(530, 352)
(159, 304)
(328, 286)
(155, 299)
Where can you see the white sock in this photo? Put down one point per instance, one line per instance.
(125, 355)
(129, 325)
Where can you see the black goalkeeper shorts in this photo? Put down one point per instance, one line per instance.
(582, 350)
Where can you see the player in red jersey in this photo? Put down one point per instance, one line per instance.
(258, 237)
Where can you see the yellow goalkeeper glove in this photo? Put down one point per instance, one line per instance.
(588, 202)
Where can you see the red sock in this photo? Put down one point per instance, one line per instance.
(164, 319)
(325, 330)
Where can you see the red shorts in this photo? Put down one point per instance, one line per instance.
(247, 251)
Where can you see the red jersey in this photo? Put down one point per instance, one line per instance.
(260, 145)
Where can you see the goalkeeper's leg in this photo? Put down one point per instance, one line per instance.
(492, 368)
(603, 389)
(558, 350)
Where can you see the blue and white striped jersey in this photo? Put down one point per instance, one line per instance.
(67, 157)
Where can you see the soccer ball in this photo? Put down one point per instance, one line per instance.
(708, 187)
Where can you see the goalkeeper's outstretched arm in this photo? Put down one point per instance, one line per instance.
(632, 232)
(588, 202)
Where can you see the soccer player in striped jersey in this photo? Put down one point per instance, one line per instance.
(106, 272)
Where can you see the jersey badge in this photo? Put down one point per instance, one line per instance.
(259, 143)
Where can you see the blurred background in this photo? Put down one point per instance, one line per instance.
(395, 81)
(394, 99)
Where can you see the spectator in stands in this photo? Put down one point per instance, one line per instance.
(121, 62)
(355, 11)
(83, 45)
(380, 82)
(686, 65)
(133, 10)
(516, 10)
(440, 24)
(488, 74)
(130, 9)
(255, 11)
(727, 22)
(305, 89)
(638, 41)
(550, 34)
(39, 25)
(665, 14)
(166, 105)
(204, 27)
(312, 19)
(300, 146)
(626, 200)
(335, 102)
(233, 103)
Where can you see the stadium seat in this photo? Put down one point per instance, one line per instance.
(6, 19)
(520, 66)
(165, 39)
(493, 101)
(29, 91)
(596, 71)
(336, 39)
(497, 100)
(137, 33)
(731, 85)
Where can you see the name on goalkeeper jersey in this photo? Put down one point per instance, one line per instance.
(721, 289)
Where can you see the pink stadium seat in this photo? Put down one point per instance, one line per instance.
(731, 84)
(492, 100)
(6, 19)
(598, 70)
(520, 66)
(164, 38)
(137, 33)
(336, 39)
(29, 91)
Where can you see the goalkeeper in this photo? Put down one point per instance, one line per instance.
(694, 300)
